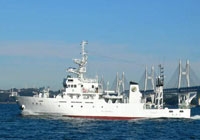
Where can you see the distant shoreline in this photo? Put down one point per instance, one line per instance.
(7, 102)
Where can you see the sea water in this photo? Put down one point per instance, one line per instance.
(14, 126)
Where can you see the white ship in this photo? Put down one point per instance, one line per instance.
(85, 98)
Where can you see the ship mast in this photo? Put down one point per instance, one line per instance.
(81, 63)
(159, 89)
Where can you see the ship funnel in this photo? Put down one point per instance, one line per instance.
(134, 93)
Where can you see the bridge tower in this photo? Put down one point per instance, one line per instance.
(184, 99)
(184, 72)
(149, 76)
(120, 84)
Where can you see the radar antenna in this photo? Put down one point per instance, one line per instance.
(81, 62)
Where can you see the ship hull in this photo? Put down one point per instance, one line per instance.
(94, 110)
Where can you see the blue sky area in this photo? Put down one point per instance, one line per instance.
(39, 38)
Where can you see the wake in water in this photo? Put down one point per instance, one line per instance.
(196, 117)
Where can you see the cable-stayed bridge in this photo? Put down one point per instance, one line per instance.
(184, 82)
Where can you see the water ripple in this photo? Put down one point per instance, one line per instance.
(16, 127)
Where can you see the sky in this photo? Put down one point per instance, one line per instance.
(39, 39)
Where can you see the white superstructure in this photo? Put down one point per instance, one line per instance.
(86, 98)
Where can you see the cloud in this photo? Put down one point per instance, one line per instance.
(43, 63)
(37, 49)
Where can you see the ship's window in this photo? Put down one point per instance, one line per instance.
(71, 105)
(68, 86)
(92, 86)
(81, 85)
(181, 111)
(81, 106)
(74, 86)
(101, 106)
(96, 90)
(171, 111)
(70, 80)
